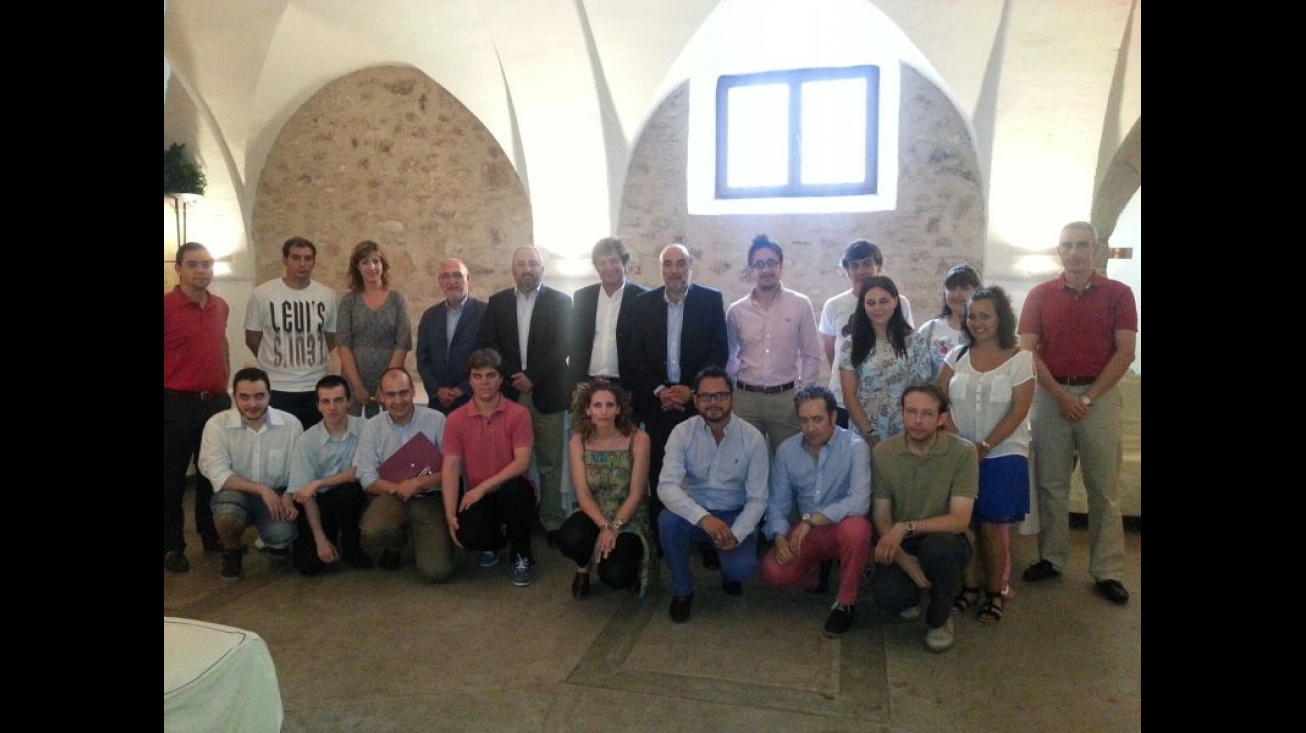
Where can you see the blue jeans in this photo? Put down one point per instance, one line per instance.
(677, 535)
(251, 510)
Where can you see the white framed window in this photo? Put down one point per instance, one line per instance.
(798, 133)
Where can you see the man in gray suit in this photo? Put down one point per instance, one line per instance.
(446, 337)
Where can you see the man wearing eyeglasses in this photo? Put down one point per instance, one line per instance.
(714, 487)
(446, 336)
(195, 356)
(772, 341)
(862, 259)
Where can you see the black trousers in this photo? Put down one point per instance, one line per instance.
(183, 428)
(481, 527)
(620, 569)
(341, 508)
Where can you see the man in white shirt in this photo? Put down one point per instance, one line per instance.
(246, 453)
(604, 317)
(862, 259)
(290, 326)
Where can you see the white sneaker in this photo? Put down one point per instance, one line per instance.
(940, 639)
(910, 614)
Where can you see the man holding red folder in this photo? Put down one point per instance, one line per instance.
(398, 463)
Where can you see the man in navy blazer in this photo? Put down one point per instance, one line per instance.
(603, 334)
(661, 385)
(441, 359)
(539, 378)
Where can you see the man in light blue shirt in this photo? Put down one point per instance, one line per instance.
(713, 485)
(823, 478)
(324, 484)
(413, 501)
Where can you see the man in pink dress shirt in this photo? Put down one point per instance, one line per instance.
(773, 346)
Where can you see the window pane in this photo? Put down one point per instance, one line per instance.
(834, 131)
(758, 134)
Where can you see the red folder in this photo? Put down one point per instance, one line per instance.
(419, 455)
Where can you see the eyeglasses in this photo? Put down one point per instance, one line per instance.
(710, 397)
(489, 377)
(765, 265)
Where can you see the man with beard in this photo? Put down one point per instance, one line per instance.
(925, 480)
(714, 488)
(246, 452)
(529, 326)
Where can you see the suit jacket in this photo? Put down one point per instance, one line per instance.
(586, 312)
(547, 348)
(702, 340)
(441, 366)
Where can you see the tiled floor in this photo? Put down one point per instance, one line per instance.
(382, 651)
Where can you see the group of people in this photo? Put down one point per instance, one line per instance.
(694, 424)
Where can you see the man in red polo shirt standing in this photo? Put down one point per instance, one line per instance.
(194, 389)
(1081, 328)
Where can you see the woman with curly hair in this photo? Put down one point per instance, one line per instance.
(609, 473)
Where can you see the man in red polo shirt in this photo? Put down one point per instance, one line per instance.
(1081, 328)
(488, 442)
(194, 389)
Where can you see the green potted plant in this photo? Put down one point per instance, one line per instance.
(180, 174)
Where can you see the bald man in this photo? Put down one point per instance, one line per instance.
(679, 329)
(529, 325)
(448, 333)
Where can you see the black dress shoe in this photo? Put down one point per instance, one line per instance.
(175, 562)
(680, 608)
(580, 586)
(711, 560)
(732, 587)
(1112, 590)
(1041, 570)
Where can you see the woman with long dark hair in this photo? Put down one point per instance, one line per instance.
(990, 382)
(880, 357)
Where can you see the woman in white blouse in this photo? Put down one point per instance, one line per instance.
(990, 383)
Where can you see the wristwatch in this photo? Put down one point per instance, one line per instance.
(911, 529)
(1088, 401)
(807, 519)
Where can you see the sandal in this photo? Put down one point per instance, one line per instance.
(967, 598)
(993, 609)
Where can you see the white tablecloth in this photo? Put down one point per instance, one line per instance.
(217, 678)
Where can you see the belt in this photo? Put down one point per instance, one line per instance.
(201, 396)
(765, 390)
(1076, 381)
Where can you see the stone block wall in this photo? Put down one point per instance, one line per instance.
(939, 221)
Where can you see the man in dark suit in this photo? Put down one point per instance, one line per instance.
(529, 325)
(447, 334)
(661, 379)
(603, 317)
